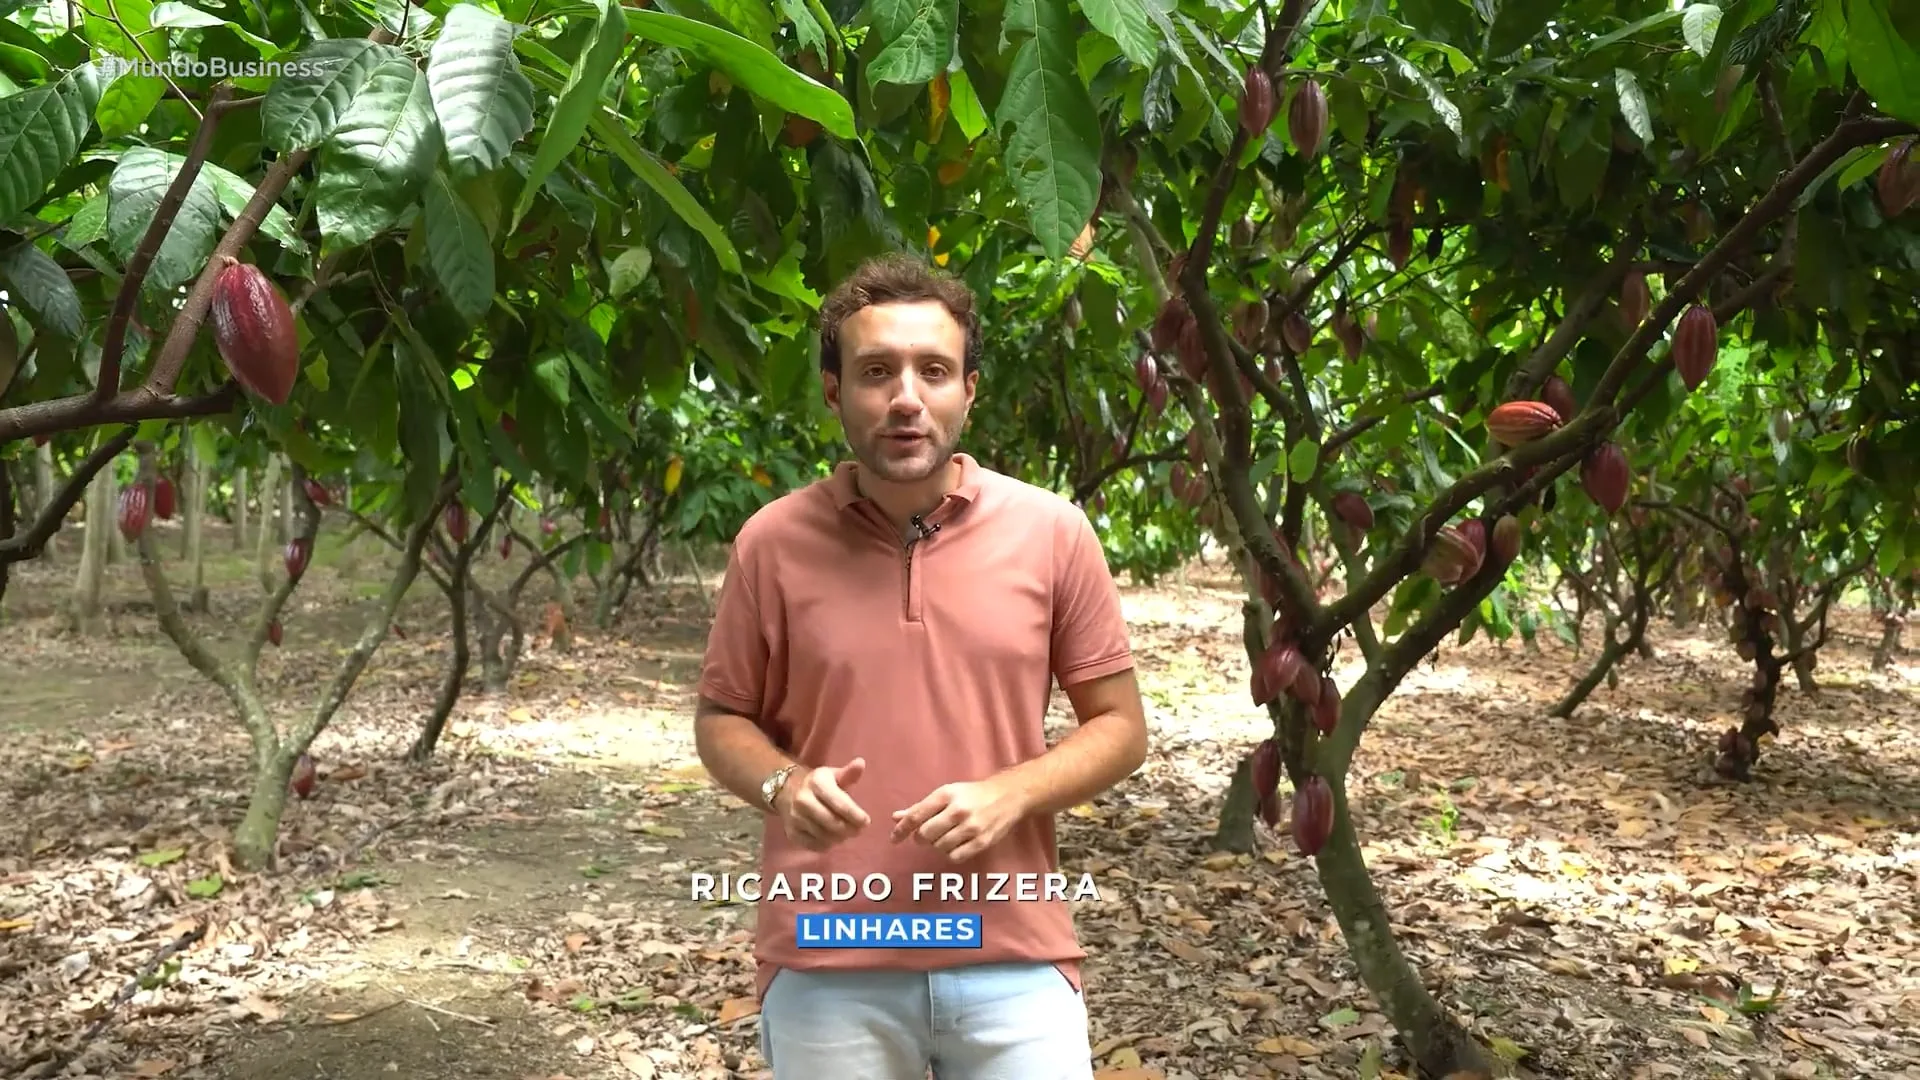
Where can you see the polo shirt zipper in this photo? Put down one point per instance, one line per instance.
(925, 530)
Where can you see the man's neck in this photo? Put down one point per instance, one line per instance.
(903, 502)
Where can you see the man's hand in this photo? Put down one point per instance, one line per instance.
(963, 820)
(816, 809)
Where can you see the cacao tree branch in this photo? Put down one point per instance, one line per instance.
(134, 406)
(1088, 487)
(1848, 135)
(30, 544)
(540, 561)
(1528, 377)
(305, 527)
(379, 622)
(107, 385)
(395, 543)
(1822, 606)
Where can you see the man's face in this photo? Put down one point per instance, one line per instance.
(901, 393)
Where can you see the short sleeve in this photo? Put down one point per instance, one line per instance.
(734, 672)
(1089, 628)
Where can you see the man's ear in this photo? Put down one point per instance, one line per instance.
(830, 390)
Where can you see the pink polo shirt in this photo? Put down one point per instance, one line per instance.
(935, 662)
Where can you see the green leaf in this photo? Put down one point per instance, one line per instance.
(806, 28)
(88, 224)
(458, 249)
(1518, 22)
(1126, 22)
(126, 104)
(1700, 25)
(377, 158)
(40, 283)
(552, 373)
(483, 100)
(1633, 104)
(234, 195)
(964, 106)
(163, 857)
(1302, 460)
(628, 270)
(918, 36)
(1053, 152)
(610, 128)
(579, 101)
(175, 15)
(1443, 108)
(1887, 64)
(303, 107)
(753, 18)
(206, 887)
(1631, 29)
(140, 180)
(748, 65)
(40, 134)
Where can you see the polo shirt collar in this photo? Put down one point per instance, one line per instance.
(846, 491)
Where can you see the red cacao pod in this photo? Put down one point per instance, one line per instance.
(253, 328)
(1144, 372)
(1399, 244)
(1307, 118)
(1250, 322)
(1696, 345)
(316, 494)
(136, 510)
(1604, 476)
(1270, 592)
(1180, 478)
(1762, 599)
(303, 776)
(507, 425)
(1279, 666)
(298, 553)
(456, 518)
(1157, 396)
(1559, 397)
(1352, 508)
(1297, 332)
(1266, 767)
(1898, 183)
(1312, 815)
(506, 545)
(1506, 538)
(1635, 300)
(163, 498)
(1518, 422)
(274, 633)
(547, 526)
(1326, 710)
(1256, 101)
(1306, 685)
(1167, 324)
(1193, 350)
(1348, 333)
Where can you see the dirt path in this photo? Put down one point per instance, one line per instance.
(519, 908)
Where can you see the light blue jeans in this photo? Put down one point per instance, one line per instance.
(981, 1022)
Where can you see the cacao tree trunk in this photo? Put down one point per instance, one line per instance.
(1891, 626)
(84, 616)
(270, 489)
(239, 510)
(256, 838)
(286, 512)
(44, 484)
(1603, 665)
(455, 677)
(196, 511)
(1236, 832)
(1437, 1043)
(1796, 636)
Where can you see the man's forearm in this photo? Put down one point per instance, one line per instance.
(1100, 753)
(738, 754)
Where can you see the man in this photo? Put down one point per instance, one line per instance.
(876, 680)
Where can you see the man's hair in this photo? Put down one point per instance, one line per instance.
(891, 279)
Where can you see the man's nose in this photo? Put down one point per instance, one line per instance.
(906, 397)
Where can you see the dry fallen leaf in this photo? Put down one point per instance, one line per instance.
(736, 1008)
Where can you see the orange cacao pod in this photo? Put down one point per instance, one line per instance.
(1559, 397)
(1696, 345)
(1604, 476)
(1312, 815)
(136, 509)
(1256, 101)
(1307, 118)
(253, 328)
(1352, 508)
(1635, 300)
(1518, 422)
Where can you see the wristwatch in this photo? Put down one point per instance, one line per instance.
(770, 787)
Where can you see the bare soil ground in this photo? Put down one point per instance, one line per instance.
(1581, 892)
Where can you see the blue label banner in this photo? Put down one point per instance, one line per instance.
(884, 930)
